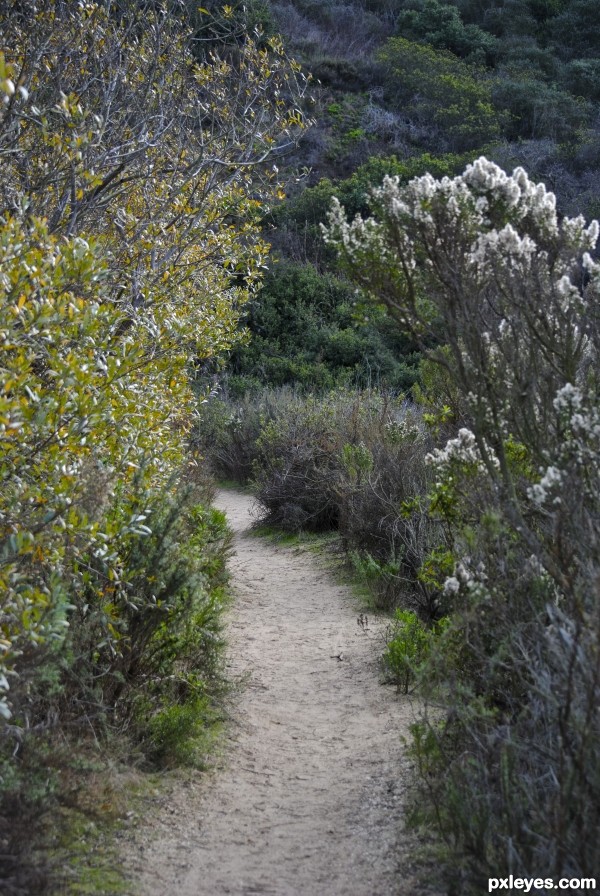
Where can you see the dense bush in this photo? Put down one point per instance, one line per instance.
(129, 172)
(440, 25)
(383, 520)
(438, 87)
(409, 646)
(229, 427)
(483, 262)
(349, 461)
(133, 664)
(104, 303)
(307, 330)
(537, 110)
(298, 463)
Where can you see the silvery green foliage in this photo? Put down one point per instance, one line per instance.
(483, 266)
(484, 263)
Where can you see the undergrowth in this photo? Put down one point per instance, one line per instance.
(153, 705)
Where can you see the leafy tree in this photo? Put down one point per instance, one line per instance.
(500, 17)
(134, 165)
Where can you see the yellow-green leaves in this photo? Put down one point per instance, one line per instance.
(7, 85)
(135, 175)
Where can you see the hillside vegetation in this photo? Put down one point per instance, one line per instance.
(370, 320)
(407, 88)
(430, 357)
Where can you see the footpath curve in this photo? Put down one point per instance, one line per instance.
(308, 798)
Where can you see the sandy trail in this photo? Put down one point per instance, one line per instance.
(308, 800)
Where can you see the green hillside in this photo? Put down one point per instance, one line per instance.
(429, 86)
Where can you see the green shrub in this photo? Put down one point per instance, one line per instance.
(456, 97)
(165, 622)
(537, 110)
(307, 331)
(409, 645)
(180, 734)
(440, 25)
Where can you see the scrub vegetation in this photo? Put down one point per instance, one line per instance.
(134, 164)
(371, 294)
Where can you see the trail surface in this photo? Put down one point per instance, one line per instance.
(308, 798)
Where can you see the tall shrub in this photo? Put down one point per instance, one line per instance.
(133, 167)
(483, 264)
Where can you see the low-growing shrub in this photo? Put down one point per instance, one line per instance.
(181, 734)
(407, 648)
(298, 464)
(228, 429)
(355, 462)
(160, 625)
(384, 519)
(139, 662)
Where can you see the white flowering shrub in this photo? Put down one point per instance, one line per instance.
(483, 266)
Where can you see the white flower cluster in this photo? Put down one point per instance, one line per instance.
(465, 578)
(569, 398)
(359, 236)
(580, 447)
(578, 235)
(482, 186)
(584, 422)
(589, 265)
(494, 235)
(542, 490)
(486, 176)
(505, 244)
(451, 586)
(569, 294)
(463, 449)
(518, 194)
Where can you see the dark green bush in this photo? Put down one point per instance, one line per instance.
(307, 331)
(440, 25)
(181, 734)
(437, 88)
(539, 110)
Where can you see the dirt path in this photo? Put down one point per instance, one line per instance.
(309, 797)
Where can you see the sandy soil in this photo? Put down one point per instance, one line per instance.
(308, 796)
